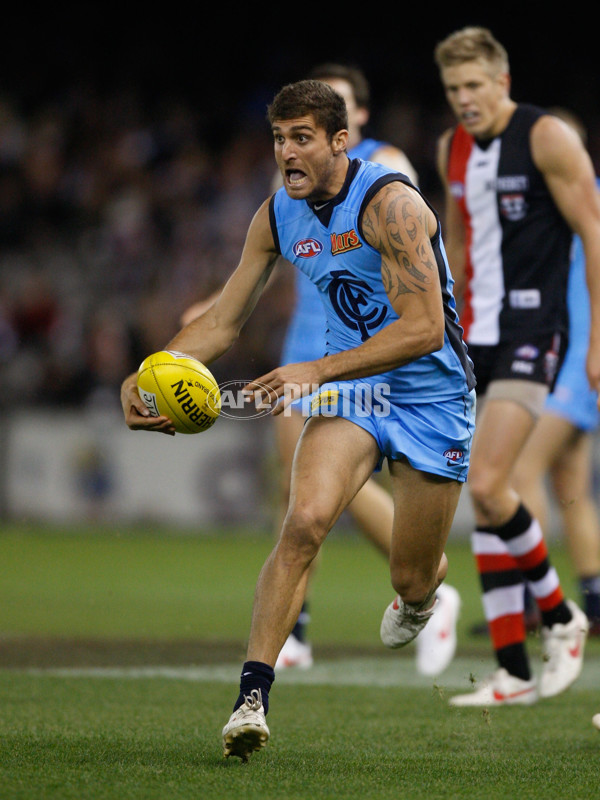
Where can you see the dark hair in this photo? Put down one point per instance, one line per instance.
(345, 72)
(313, 97)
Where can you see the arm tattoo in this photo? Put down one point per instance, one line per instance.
(402, 240)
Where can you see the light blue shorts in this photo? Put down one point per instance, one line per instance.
(433, 437)
(572, 398)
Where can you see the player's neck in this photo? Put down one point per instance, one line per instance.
(503, 118)
(338, 178)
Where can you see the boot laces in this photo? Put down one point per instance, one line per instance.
(253, 701)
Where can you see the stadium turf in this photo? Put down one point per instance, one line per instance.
(120, 655)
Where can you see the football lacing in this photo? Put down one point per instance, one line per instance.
(253, 701)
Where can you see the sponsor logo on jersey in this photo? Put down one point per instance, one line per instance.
(527, 352)
(522, 367)
(307, 248)
(351, 300)
(525, 298)
(512, 183)
(342, 242)
(329, 397)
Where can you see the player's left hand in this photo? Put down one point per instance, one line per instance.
(283, 385)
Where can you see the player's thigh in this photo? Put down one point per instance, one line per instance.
(571, 472)
(503, 427)
(425, 506)
(334, 458)
(288, 429)
(550, 438)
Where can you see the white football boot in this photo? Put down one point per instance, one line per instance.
(436, 644)
(563, 652)
(247, 728)
(499, 689)
(294, 653)
(401, 623)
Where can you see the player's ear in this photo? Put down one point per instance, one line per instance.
(504, 80)
(339, 143)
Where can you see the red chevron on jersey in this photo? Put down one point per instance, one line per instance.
(517, 243)
(460, 152)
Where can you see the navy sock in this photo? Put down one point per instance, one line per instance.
(255, 675)
(590, 592)
(299, 629)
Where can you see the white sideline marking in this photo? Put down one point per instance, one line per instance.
(347, 672)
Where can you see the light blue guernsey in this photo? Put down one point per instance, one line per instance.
(309, 315)
(325, 242)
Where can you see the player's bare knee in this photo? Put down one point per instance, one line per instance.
(304, 530)
(486, 490)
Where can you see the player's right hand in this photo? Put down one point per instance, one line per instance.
(137, 415)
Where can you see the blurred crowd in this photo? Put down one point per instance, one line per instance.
(115, 215)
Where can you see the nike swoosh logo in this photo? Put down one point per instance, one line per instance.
(500, 697)
(575, 651)
(318, 208)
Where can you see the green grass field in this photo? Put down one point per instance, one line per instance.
(120, 653)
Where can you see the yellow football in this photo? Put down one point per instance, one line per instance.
(181, 388)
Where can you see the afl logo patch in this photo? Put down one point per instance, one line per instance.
(527, 351)
(454, 456)
(307, 248)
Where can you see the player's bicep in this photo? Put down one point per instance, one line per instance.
(397, 223)
(567, 169)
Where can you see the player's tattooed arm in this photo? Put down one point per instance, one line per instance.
(395, 224)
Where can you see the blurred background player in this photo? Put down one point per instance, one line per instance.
(561, 445)
(372, 509)
(518, 184)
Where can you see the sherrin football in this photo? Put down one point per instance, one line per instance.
(179, 387)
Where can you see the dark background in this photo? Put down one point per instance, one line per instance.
(134, 151)
(232, 61)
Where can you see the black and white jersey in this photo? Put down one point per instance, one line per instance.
(517, 243)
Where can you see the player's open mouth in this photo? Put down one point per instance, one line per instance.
(295, 177)
(470, 117)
